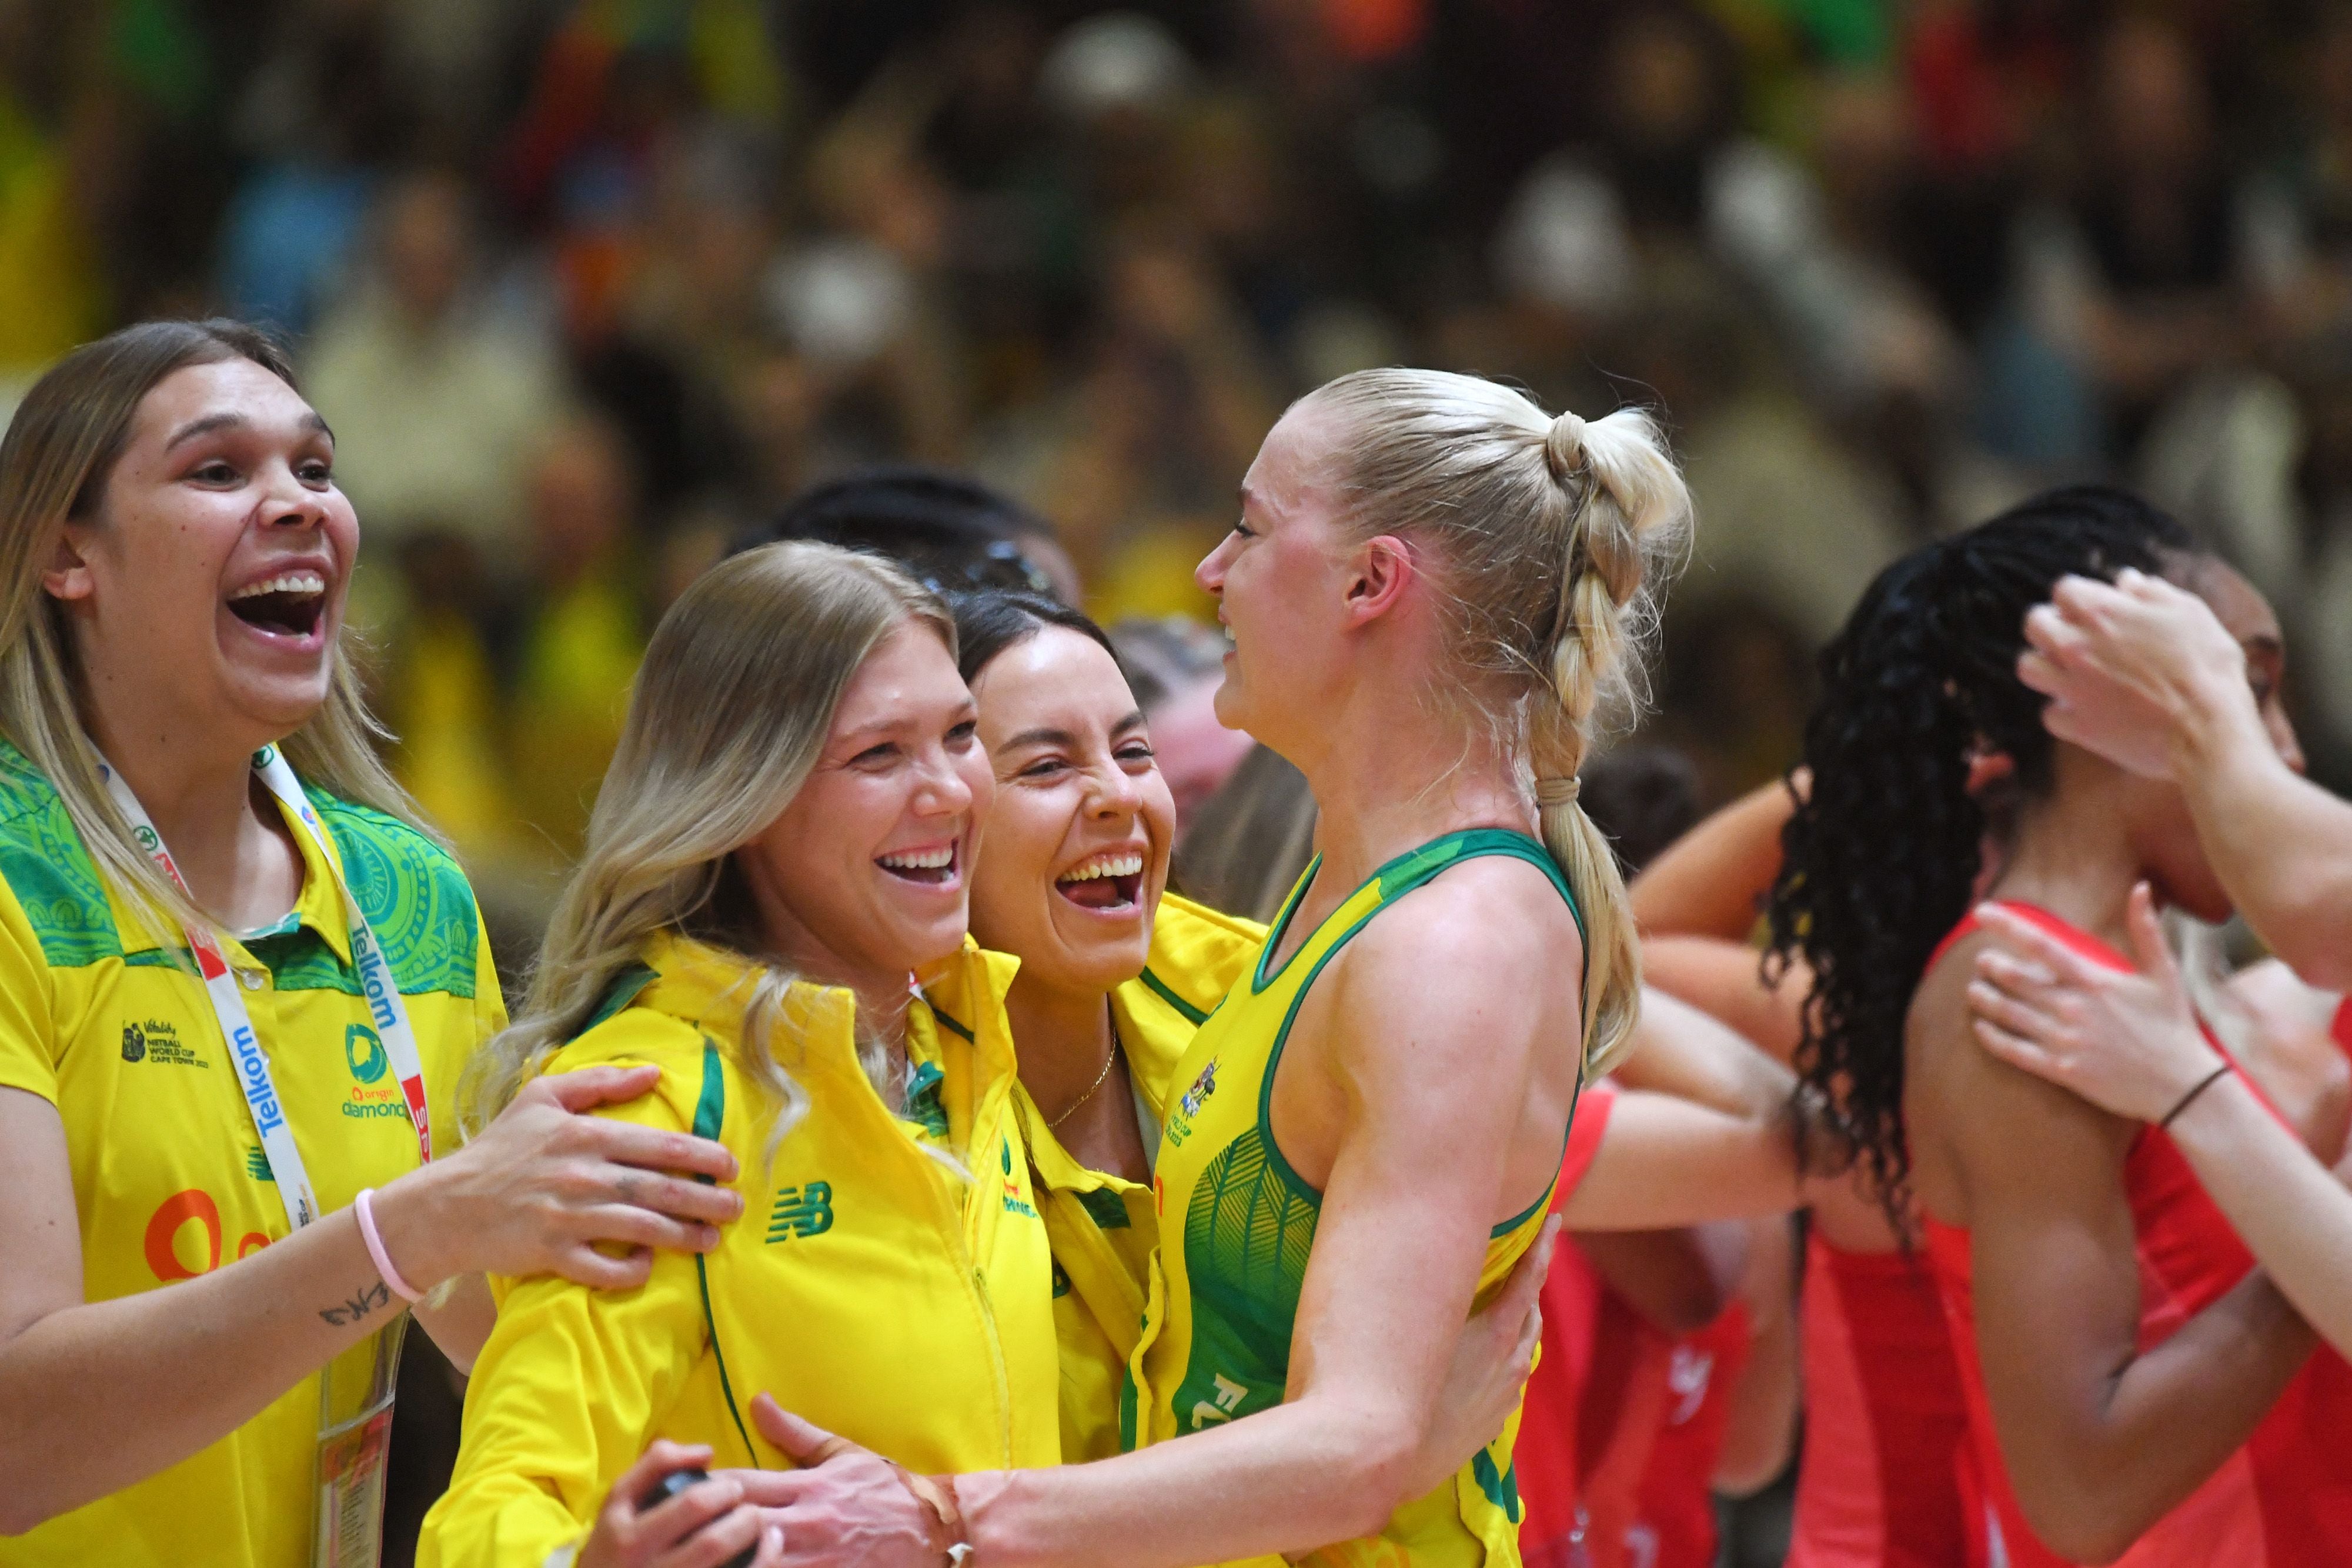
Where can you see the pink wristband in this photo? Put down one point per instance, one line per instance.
(376, 1254)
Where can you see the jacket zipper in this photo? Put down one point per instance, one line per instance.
(979, 1287)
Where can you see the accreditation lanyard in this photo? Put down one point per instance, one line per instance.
(385, 1005)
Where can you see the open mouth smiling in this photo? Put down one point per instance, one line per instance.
(931, 867)
(1108, 883)
(290, 604)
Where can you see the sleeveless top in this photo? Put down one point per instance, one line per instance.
(2282, 1501)
(1878, 1485)
(1236, 1223)
(1673, 1503)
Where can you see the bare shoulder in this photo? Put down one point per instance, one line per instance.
(1473, 958)
(1973, 1117)
(1496, 914)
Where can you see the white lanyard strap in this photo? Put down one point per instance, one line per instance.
(387, 1008)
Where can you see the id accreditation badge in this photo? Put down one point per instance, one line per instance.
(355, 1403)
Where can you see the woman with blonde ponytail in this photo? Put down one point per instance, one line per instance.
(1432, 589)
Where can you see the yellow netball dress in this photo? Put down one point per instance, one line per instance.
(1236, 1223)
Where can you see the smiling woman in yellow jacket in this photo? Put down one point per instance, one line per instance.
(780, 850)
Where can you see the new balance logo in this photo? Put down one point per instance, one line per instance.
(802, 1211)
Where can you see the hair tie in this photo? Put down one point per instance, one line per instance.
(1557, 792)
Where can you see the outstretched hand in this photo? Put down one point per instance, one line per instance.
(2127, 1041)
(546, 1187)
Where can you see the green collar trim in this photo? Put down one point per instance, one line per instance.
(625, 987)
(1166, 993)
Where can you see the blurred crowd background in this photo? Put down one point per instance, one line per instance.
(587, 287)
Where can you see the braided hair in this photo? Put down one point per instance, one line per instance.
(1551, 535)
(1880, 859)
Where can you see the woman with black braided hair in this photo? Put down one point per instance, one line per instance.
(2123, 1363)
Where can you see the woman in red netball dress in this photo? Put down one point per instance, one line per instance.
(1877, 1484)
(2120, 1358)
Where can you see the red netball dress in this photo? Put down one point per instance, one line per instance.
(1551, 1527)
(2283, 1500)
(1674, 1524)
(1878, 1484)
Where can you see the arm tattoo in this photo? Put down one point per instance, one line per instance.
(369, 1298)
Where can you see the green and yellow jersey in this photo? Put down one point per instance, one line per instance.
(1236, 1224)
(1103, 1227)
(169, 1177)
(889, 1278)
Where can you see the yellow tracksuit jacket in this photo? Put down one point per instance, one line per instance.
(868, 1286)
(1103, 1228)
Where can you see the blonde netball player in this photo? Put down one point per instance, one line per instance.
(1430, 588)
(237, 986)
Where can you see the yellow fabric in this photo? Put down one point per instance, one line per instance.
(48, 274)
(1103, 1227)
(580, 656)
(1237, 1224)
(168, 1174)
(869, 1287)
(448, 721)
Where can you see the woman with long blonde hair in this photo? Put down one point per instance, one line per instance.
(238, 983)
(771, 911)
(1432, 587)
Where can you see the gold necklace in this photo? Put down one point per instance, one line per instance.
(1109, 1057)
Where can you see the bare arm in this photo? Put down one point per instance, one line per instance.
(1697, 904)
(1666, 1161)
(2129, 1043)
(1762, 1429)
(1705, 1127)
(97, 1396)
(1726, 980)
(1418, 1173)
(1685, 1050)
(2100, 1440)
(1709, 883)
(2281, 845)
(2143, 673)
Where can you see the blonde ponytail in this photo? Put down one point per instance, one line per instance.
(1551, 535)
(1625, 499)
